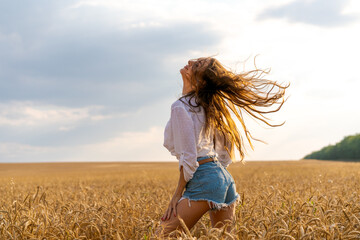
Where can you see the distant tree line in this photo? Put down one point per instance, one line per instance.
(346, 150)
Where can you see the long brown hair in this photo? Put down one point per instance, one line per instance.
(219, 90)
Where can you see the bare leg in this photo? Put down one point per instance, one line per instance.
(190, 215)
(220, 217)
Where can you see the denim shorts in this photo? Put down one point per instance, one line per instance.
(213, 183)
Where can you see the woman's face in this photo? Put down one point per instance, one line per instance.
(186, 71)
(193, 66)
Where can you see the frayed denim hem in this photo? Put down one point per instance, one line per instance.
(215, 205)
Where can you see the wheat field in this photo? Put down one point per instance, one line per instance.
(279, 200)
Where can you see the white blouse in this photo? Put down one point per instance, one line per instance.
(186, 139)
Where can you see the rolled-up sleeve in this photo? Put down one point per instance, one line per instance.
(184, 141)
(223, 155)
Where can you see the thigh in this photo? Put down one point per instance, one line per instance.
(190, 213)
(219, 217)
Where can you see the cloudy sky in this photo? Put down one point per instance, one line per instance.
(93, 80)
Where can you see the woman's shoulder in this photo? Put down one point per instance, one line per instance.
(189, 104)
(177, 103)
(183, 102)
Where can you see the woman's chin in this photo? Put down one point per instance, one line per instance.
(183, 74)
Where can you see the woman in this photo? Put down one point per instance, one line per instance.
(202, 134)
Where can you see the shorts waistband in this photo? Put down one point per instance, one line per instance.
(206, 157)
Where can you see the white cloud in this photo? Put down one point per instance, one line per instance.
(30, 114)
(326, 13)
(126, 146)
(10, 151)
(353, 7)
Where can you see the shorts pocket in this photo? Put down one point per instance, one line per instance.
(208, 178)
(214, 181)
(193, 185)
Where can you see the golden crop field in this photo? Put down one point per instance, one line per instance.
(280, 200)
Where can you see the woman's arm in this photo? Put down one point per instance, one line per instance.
(181, 183)
(185, 148)
(176, 197)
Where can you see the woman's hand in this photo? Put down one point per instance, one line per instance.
(176, 197)
(172, 207)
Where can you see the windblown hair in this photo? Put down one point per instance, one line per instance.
(221, 92)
